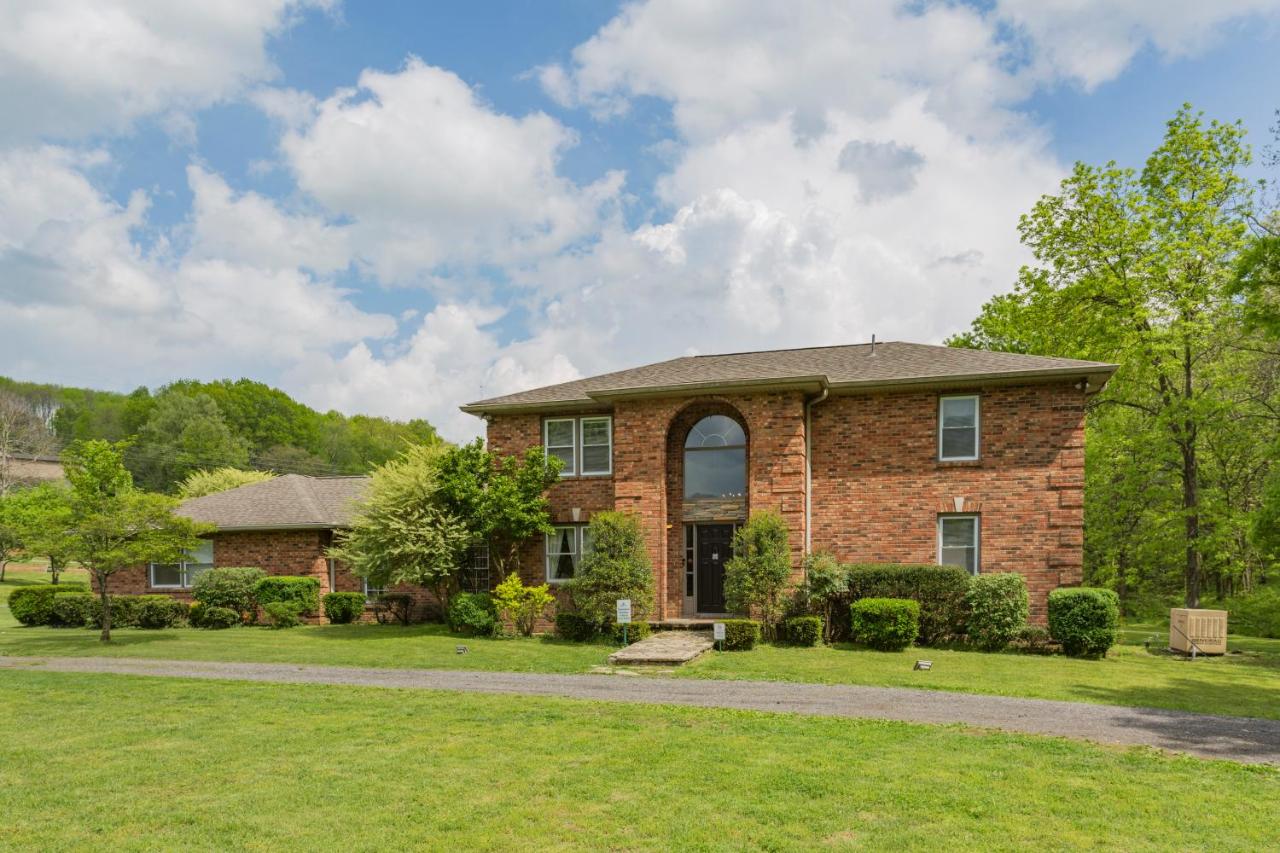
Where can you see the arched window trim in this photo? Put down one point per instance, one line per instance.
(740, 437)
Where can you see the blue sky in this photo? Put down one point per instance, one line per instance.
(397, 208)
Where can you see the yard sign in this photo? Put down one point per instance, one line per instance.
(624, 611)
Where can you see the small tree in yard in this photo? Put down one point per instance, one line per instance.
(826, 590)
(502, 501)
(114, 526)
(10, 543)
(39, 519)
(404, 532)
(617, 566)
(522, 605)
(757, 575)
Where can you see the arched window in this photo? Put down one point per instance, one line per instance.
(715, 459)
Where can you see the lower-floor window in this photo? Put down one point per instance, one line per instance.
(958, 541)
(474, 576)
(565, 547)
(183, 574)
(690, 549)
(372, 593)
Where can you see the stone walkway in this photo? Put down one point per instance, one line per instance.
(1243, 739)
(671, 648)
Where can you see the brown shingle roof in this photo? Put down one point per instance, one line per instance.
(851, 366)
(287, 501)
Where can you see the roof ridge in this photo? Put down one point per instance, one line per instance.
(792, 349)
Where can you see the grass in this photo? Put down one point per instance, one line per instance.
(1246, 684)
(132, 764)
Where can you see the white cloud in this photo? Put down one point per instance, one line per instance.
(430, 174)
(70, 68)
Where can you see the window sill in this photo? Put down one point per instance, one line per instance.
(959, 463)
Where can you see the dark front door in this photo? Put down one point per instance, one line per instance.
(714, 544)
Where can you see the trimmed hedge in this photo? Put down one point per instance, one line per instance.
(1084, 620)
(887, 624)
(157, 611)
(70, 611)
(636, 631)
(939, 590)
(303, 592)
(31, 605)
(741, 635)
(804, 630)
(123, 611)
(998, 609)
(343, 608)
(473, 613)
(282, 614)
(217, 618)
(575, 627)
(229, 586)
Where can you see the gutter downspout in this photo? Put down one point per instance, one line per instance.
(808, 466)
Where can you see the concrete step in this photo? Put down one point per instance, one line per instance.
(669, 648)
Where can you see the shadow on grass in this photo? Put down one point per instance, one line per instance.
(63, 641)
(1239, 737)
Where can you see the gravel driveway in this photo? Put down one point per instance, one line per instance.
(1243, 739)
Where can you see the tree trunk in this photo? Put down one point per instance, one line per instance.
(1122, 582)
(4, 564)
(1190, 506)
(106, 608)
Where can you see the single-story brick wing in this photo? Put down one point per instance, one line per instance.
(881, 452)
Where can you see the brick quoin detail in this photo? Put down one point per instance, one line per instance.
(878, 487)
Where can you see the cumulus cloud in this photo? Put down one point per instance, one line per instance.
(882, 168)
(431, 174)
(70, 68)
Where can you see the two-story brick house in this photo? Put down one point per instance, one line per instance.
(892, 452)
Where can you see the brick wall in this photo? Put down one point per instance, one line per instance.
(878, 487)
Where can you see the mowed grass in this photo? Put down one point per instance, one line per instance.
(1244, 684)
(113, 762)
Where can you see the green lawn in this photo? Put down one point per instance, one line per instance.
(114, 762)
(1243, 684)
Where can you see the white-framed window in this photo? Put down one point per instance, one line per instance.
(183, 574)
(565, 547)
(372, 593)
(958, 541)
(597, 445)
(474, 576)
(958, 427)
(558, 440)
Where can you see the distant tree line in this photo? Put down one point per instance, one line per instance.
(189, 426)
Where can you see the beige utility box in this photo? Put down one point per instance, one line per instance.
(1201, 631)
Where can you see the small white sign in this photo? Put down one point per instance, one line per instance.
(717, 631)
(624, 611)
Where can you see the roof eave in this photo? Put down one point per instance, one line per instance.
(263, 528)
(1095, 374)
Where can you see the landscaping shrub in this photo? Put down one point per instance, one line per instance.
(757, 574)
(825, 592)
(617, 566)
(282, 614)
(939, 590)
(124, 611)
(1035, 640)
(997, 605)
(473, 613)
(741, 635)
(522, 605)
(1084, 620)
(804, 630)
(575, 627)
(233, 587)
(70, 611)
(343, 608)
(887, 624)
(636, 631)
(156, 611)
(31, 605)
(216, 618)
(394, 607)
(303, 592)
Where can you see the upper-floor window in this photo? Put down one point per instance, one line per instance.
(715, 459)
(583, 445)
(183, 574)
(958, 422)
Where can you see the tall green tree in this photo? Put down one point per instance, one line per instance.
(40, 519)
(115, 526)
(1137, 268)
(183, 434)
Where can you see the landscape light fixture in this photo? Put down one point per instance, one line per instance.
(923, 665)
(462, 650)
